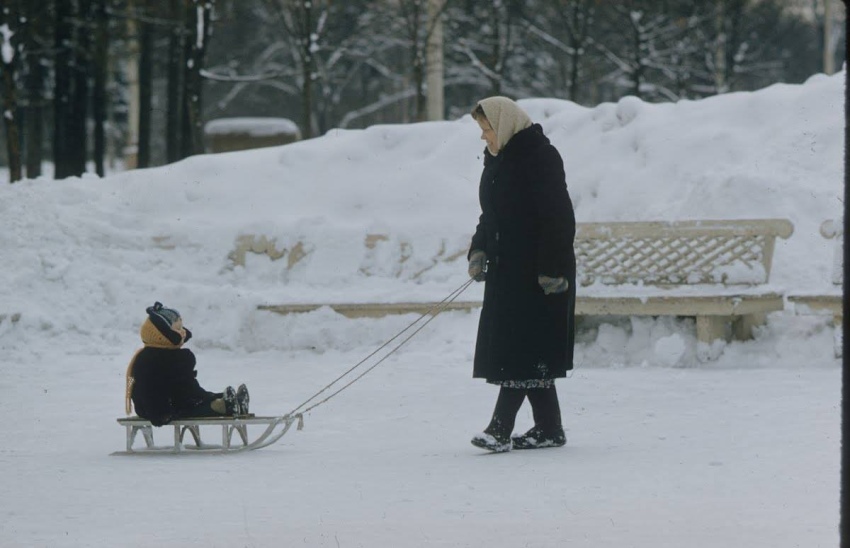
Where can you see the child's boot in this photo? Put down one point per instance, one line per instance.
(242, 399)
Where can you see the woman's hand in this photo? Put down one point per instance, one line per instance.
(477, 265)
(553, 285)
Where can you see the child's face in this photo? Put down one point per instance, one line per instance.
(178, 327)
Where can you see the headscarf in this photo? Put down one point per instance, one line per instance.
(506, 118)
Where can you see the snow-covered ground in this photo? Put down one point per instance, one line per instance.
(662, 451)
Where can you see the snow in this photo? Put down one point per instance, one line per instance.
(7, 51)
(254, 126)
(199, 27)
(663, 450)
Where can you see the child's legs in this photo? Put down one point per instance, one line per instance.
(213, 408)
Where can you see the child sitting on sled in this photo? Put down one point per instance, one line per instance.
(161, 377)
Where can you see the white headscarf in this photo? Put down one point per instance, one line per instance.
(506, 118)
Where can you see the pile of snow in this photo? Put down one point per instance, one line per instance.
(255, 127)
(386, 213)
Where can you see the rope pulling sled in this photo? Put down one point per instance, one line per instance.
(276, 426)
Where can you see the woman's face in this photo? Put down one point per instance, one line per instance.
(488, 135)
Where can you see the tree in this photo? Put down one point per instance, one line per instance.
(68, 140)
(198, 28)
(175, 97)
(35, 62)
(489, 49)
(304, 25)
(647, 46)
(11, 18)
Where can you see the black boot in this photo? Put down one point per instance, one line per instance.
(242, 400)
(230, 402)
(497, 436)
(547, 430)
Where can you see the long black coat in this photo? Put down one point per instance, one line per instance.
(165, 386)
(527, 228)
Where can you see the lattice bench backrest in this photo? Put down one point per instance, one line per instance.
(732, 252)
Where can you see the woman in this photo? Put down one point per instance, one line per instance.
(523, 249)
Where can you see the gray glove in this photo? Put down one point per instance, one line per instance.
(477, 265)
(553, 285)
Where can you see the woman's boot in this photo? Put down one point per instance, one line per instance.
(497, 436)
(547, 430)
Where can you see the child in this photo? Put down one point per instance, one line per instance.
(161, 376)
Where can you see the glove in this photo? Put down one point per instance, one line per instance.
(553, 285)
(477, 265)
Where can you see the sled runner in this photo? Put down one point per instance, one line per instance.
(275, 428)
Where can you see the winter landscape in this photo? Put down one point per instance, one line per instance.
(663, 450)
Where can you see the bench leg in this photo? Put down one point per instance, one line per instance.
(710, 328)
(742, 326)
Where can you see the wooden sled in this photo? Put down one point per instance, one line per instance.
(275, 428)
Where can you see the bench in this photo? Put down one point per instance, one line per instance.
(830, 300)
(275, 428)
(713, 271)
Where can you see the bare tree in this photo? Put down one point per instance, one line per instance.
(175, 104)
(652, 60)
(198, 30)
(566, 27)
(11, 17)
(304, 23)
(36, 54)
(488, 52)
(100, 64)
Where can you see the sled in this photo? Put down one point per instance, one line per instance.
(275, 428)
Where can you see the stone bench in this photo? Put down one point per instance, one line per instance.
(714, 271)
(828, 301)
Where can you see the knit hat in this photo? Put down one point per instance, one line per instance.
(164, 328)
(506, 118)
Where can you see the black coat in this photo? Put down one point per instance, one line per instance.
(165, 386)
(527, 228)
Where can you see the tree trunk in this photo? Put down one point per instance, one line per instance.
(10, 119)
(9, 53)
(33, 122)
(62, 94)
(99, 98)
(434, 53)
(78, 115)
(307, 69)
(721, 42)
(143, 158)
(174, 120)
(198, 33)
(828, 53)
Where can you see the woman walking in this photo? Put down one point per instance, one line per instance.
(523, 250)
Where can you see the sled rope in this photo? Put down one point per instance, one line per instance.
(436, 309)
